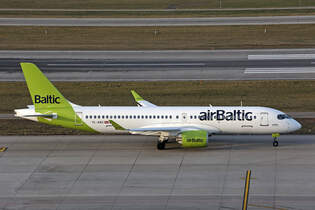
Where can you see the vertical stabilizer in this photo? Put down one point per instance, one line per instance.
(44, 94)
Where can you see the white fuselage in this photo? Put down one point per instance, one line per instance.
(227, 119)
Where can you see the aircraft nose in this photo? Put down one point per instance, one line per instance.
(295, 125)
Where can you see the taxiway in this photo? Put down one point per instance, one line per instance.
(127, 172)
(122, 22)
(166, 65)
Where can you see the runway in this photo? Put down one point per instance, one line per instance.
(211, 21)
(127, 172)
(170, 65)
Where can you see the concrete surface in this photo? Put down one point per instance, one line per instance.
(127, 172)
(261, 20)
(163, 65)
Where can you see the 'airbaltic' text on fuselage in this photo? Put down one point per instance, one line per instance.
(48, 99)
(240, 115)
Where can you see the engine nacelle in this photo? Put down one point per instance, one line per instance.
(198, 138)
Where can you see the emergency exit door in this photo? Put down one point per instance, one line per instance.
(264, 119)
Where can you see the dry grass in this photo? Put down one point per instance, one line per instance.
(153, 14)
(287, 96)
(26, 127)
(144, 38)
(151, 4)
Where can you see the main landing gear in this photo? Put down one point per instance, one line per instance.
(275, 139)
(162, 141)
(160, 145)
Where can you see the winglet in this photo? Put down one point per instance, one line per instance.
(116, 125)
(136, 96)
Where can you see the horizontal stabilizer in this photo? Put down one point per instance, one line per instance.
(53, 116)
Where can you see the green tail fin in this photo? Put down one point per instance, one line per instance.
(44, 94)
(47, 100)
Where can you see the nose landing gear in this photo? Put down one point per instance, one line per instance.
(275, 139)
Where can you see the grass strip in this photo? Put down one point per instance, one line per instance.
(287, 96)
(27, 127)
(152, 14)
(156, 38)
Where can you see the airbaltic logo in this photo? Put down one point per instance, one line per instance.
(48, 99)
(240, 115)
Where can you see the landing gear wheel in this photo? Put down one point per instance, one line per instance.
(275, 139)
(160, 145)
(275, 143)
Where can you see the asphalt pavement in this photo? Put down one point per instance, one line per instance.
(163, 65)
(125, 22)
(128, 172)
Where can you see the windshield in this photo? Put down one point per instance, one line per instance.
(284, 116)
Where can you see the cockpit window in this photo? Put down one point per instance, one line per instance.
(283, 116)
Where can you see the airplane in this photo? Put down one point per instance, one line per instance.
(190, 126)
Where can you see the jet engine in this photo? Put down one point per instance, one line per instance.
(195, 138)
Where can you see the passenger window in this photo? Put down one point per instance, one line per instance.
(126, 116)
(146, 117)
(170, 116)
(177, 117)
(138, 116)
(86, 117)
(106, 116)
(195, 117)
(110, 117)
(158, 116)
(153, 116)
(114, 116)
(99, 116)
(165, 116)
(103, 116)
(134, 117)
(94, 116)
(142, 117)
(90, 116)
(118, 116)
(150, 116)
(162, 117)
(122, 116)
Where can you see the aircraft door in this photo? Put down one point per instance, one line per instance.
(78, 118)
(264, 119)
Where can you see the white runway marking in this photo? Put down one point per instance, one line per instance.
(281, 56)
(300, 70)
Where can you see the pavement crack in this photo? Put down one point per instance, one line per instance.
(125, 180)
(225, 177)
(174, 183)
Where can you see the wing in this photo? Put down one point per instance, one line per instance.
(170, 128)
(140, 101)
